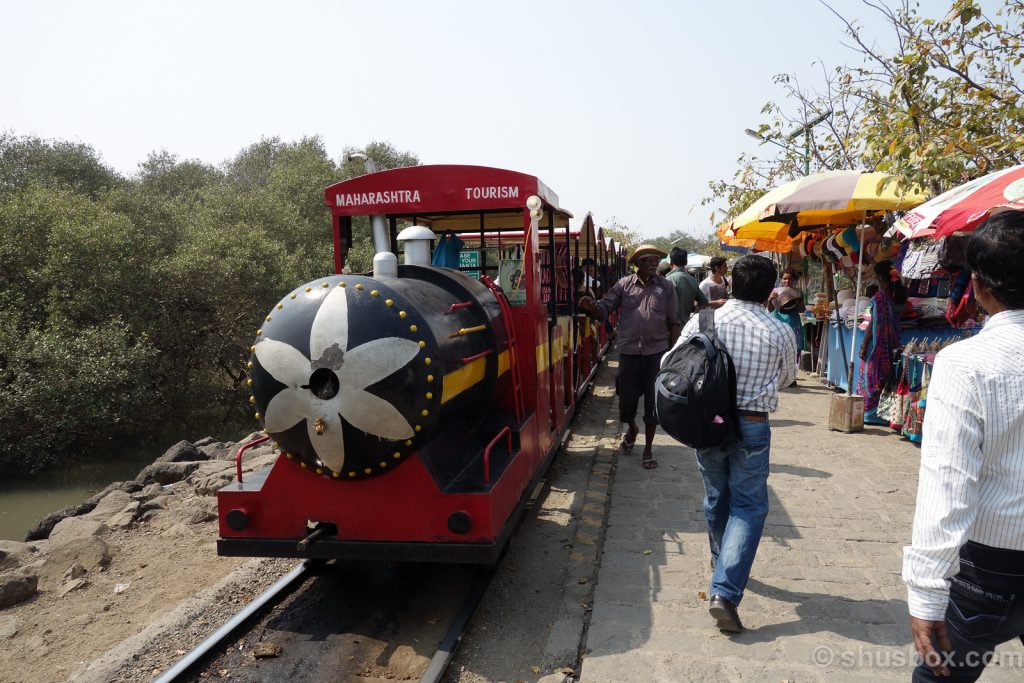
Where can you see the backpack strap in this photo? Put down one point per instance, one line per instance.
(707, 326)
(706, 321)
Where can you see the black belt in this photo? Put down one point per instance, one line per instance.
(752, 415)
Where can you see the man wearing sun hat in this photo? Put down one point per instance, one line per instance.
(648, 326)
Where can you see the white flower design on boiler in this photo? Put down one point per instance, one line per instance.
(330, 386)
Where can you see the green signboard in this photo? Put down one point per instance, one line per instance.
(469, 263)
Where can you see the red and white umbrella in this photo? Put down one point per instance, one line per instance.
(966, 206)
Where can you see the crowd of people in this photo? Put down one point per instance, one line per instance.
(964, 569)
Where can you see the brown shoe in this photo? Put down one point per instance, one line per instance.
(726, 614)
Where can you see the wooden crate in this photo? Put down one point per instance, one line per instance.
(846, 413)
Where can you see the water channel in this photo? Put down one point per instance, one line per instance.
(23, 502)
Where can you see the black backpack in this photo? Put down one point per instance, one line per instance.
(696, 390)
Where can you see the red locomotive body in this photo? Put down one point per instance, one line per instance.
(417, 408)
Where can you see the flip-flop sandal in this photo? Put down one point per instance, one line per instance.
(626, 445)
(650, 463)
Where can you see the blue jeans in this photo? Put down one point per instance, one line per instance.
(986, 608)
(735, 505)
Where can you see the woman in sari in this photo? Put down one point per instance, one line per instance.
(786, 304)
(882, 337)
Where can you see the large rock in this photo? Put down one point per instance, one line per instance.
(183, 451)
(91, 552)
(17, 586)
(199, 510)
(14, 554)
(8, 627)
(112, 503)
(148, 491)
(125, 516)
(165, 472)
(75, 527)
(219, 450)
(43, 528)
(212, 476)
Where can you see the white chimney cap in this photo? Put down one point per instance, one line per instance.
(416, 232)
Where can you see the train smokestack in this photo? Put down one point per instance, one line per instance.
(381, 241)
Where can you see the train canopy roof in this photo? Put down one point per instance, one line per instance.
(445, 197)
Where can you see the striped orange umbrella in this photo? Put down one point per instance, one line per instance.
(826, 198)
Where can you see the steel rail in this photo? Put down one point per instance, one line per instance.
(446, 650)
(281, 587)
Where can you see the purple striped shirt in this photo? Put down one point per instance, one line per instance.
(646, 313)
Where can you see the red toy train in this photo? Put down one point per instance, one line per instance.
(416, 407)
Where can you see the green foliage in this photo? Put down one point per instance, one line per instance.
(66, 388)
(945, 104)
(26, 161)
(131, 303)
(706, 245)
(623, 235)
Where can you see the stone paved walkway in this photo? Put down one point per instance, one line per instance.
(825, 601)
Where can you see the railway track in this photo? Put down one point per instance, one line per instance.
(345, 622)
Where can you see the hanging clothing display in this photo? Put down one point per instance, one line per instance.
(446, 252)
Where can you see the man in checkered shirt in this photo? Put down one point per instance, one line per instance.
(735, 475)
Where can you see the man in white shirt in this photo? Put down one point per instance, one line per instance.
(735, 474)
(715, 286)
(590, 268)
(964, 569)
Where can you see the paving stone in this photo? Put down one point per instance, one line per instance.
(628, 666)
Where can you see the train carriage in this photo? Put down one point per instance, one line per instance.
(416, 406)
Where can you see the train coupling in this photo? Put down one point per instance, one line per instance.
(321, 530)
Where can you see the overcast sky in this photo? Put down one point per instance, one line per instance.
(624, 109)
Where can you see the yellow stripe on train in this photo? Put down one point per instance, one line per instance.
(457, 381)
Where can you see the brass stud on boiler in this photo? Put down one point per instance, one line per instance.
(303, 465)
(319, 471)
(288, 455)
(341, 284)
(424, 412)
(359, 285)
(375, 293)
(280, 306)
(335, 474)
(257, 416)
(423, 344)
(389, 302)
(409, 442)
(294, 295)
(427, 361)
(396, 454)
(413, 328)
(309, 289)
(252, 400)
(382, 464)
(352, 475)
(249, 365)
(418, 428)
(268, 318)
(402, 314)
(430, 395)
(430, 378)
(252, 349)
(248, 382)
(326, 285)
(259, 332)
(367, 470)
